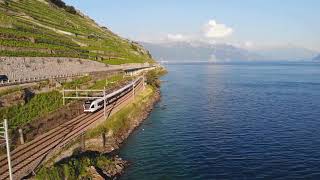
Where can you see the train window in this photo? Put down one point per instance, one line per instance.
(3, 78)
(92, 106)
(86, 106)
(101, 103)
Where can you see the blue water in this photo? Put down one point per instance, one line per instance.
(243, 121)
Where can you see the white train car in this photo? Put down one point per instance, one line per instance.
(91, 106)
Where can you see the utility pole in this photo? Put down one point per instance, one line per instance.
(104, 102)
(6, 137)
(133, 93)
(63, 97)
(21, 136)
(143, 82)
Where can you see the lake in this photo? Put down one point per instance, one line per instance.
(231, 121)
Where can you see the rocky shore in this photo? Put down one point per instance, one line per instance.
(113, 171)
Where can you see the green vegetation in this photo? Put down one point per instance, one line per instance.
(117, 61)
(77, 82)
(152, 77)
(108, 82)
(121, 120)
(9, 91)
(39, 105)
(97, 84)
(74, 168)
(50, 28)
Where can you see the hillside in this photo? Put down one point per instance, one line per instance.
(49, 28)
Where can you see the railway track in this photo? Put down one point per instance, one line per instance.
(27, 157)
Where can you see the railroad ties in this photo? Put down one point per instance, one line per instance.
(27, 157)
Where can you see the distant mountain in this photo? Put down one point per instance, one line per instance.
(183, 51)
(288, 53)
(317, 58)
(196, 51)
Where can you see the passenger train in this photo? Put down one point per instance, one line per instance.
(91, 106)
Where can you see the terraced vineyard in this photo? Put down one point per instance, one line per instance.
(39, 28)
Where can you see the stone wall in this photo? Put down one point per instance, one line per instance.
(33, 67)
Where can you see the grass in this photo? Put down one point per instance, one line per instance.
(108, 82)
(97, 84)
(117, 61)
(152, 77)
(9, 91)
(33, 25)
(39, 105)
(77, 82)
(121, 120)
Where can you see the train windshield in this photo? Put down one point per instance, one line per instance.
(87, 104)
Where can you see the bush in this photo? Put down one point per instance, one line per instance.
(152, 79)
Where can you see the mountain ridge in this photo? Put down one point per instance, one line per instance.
(184, 51)
(199, 51)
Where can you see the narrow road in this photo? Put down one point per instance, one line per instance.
(27, 157)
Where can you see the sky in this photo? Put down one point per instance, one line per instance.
(246, 23)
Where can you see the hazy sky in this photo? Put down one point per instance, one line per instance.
(249, 23)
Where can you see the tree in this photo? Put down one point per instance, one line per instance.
(71, 9)
(59, 3)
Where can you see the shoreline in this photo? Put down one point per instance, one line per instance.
(107, 144)
(118, 141)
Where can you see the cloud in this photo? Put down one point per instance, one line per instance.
(176, 37)
(211, 32)
(248, 44)
(214, 30)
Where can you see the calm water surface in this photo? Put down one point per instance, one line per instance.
(240, 121)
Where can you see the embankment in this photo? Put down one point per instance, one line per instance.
(99, 160)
